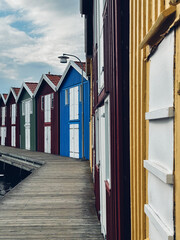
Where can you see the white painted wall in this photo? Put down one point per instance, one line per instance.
(161, 141)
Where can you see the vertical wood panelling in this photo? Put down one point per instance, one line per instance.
(142, 15)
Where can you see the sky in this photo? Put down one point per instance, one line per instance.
(33, 33)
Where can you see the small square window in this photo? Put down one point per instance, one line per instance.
(66, 97)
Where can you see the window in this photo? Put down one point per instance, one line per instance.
(52, 100)
(23, 108)
(74, 103)
(107, 140)
(42, 103)
(66, 97)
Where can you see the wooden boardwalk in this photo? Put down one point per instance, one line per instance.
(55, 202)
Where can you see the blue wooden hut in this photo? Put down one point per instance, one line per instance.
(70, 90)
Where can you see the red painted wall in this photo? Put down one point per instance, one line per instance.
(116, 84)
(11, 100)
(44, 90)
(1, 105)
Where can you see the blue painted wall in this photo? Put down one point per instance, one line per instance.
(72, 79)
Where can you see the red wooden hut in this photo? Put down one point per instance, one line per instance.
(12, 113)
(47, 100)
(107, 46)
(3, 118)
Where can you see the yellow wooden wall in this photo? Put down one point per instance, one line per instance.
(143, 13)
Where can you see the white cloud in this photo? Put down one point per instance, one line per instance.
(57, 26)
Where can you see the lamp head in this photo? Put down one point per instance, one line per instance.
(63, 58)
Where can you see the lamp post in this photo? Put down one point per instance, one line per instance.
(63, 59)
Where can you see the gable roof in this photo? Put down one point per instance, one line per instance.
(14, 92)
(30, 87)
(4, 97)
(76, 66)
(51, 79)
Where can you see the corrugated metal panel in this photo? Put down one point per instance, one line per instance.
(142, 15)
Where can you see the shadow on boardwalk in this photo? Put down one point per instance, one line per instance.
(55, 202)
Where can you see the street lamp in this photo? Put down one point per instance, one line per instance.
(63, 59)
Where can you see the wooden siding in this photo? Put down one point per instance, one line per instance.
(1, 105)
(11, 100)
(44, 90)
(116, 84)
(25, 96)
(73, 79)
(142, 15)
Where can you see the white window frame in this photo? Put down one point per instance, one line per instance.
(107, 140)
(42, 103)
(66, 97)
(52, 100)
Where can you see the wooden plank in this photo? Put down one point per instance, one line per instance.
(55, 202)
(159, 171)
(158, 223)
(158, 26)
(160, 113)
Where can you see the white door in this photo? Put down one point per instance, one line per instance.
(74, 140)
(13, 136)
(102, 160)
(27, 123)
(3, 135)
(47, 119)
(47, 139)
(160, 163)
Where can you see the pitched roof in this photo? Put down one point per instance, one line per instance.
(32, 86)
(5, 95)
(54, 78)
(51, 80)
(79, 65)
(16, 90)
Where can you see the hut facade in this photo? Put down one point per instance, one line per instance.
(107, 48)
(3, 119)
(154, 119)
(12, 113)
(27, 105)
(70, 90)
(47, 104)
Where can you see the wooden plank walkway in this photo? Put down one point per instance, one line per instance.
(55, 202)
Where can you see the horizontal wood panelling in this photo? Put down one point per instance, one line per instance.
(142, 15)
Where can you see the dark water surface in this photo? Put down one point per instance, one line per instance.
(12, 176)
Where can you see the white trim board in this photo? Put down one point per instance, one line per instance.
(160, 113)
(158, 223)
(160, 172)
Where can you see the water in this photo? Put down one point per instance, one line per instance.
(5, 186)
(12, 176)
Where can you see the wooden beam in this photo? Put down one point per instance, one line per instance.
(163, 22)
